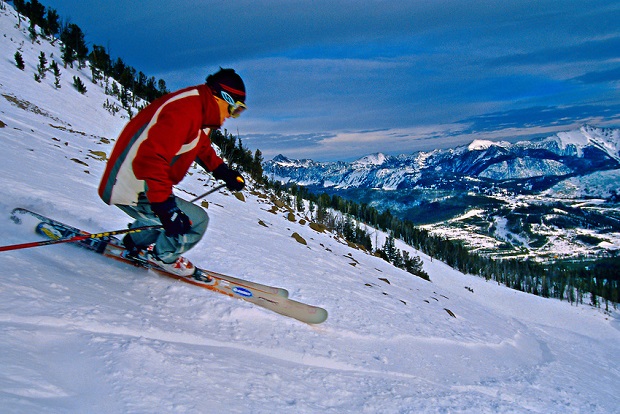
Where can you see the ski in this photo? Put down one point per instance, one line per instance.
(265, 296)
(61, 231)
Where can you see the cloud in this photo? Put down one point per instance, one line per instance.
(603, 76)
(542, 116)
(350, 145)
(584, 51)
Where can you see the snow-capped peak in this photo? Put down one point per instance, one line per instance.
(281, 159)
(372, 159)
(607, 140)
(483, 144)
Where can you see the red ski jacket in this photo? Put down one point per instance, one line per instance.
(158, 146)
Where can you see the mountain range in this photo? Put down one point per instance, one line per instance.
(552, 197)
(533, 165)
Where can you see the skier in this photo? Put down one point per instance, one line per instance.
(154, 152)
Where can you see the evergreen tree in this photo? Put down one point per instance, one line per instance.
(52, 24)
(68, 55)
(151, 89)
(299, 203)
(81, 50)
(389, 250)
(42, 66)
(56, 71)
(32, 31)
(74, 45)
(398, 260)
(36, 12)
(162, 87)
(141, 81)
(256, 169)
(118, 68)
(127, 78)
(19, 60)
(20, 8)
(114, 90)
(79, 85)
(95, 74)
(413, 265)
(123, 96)
(100, 59)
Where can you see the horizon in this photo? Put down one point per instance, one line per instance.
(466, 144)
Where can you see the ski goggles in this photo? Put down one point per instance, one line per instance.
(234, 107)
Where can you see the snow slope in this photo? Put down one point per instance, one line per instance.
(81, 333)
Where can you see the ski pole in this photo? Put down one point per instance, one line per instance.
(78, 237)
(208, 192)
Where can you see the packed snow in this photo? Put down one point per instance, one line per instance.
(81, 333)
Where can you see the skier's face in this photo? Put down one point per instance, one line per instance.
(223, 107)
(228, 107)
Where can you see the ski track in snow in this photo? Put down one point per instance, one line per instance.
(81, 333)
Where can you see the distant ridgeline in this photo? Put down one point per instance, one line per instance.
(527, 167)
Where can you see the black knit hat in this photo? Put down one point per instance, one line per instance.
(229, 81)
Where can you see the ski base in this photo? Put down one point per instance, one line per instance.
(265, 296)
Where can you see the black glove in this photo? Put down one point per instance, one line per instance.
(234, 181)
(175, 221)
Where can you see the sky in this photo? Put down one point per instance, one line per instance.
(339, 79)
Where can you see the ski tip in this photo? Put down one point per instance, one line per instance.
(14, 217)
(319, 316)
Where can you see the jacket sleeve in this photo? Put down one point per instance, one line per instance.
(156, 154)
(207, 157)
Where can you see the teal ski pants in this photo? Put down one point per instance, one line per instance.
(167, 248)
